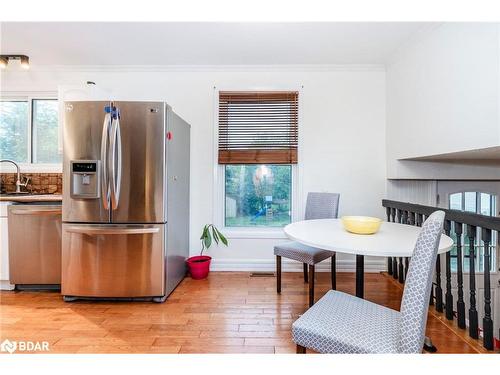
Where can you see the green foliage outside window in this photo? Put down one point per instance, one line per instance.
(45, 128)
(14, 130)
(258, 195)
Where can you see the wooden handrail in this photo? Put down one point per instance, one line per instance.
(469, 218)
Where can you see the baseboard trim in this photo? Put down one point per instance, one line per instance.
(5, 285)
(250, 265)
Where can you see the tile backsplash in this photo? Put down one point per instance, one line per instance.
(39, 183)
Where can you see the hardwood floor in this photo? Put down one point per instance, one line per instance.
(230, 312)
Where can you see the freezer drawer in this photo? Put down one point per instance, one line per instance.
(113, 260)
(35, 244)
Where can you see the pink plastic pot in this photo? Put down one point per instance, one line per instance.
(199, 266)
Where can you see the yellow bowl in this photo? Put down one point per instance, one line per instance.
(361, 224)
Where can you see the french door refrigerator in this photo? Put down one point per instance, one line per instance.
(125, 200)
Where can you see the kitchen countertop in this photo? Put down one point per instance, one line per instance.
(26, 198)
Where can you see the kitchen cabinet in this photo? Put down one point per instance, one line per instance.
(4, 248)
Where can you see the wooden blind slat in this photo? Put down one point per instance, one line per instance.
(258, 127)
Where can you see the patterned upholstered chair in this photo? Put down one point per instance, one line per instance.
(318, 206)
(341, 323)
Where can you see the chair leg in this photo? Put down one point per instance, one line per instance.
(311, 285)
(301, 349)
(305, 272)
(334, 271)
(278, 273)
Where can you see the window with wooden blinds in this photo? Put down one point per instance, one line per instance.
(258, 127)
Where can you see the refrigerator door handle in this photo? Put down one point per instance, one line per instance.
(116, 162)
(104, 161)
(100, 231)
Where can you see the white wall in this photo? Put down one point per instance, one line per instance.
(342, 135)
(413, 191)
(442, 97)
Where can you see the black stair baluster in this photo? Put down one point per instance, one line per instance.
(460, 277)
(473, 320)
(399, 216)
(448, 295)
(419, 220)
(487, 322)
(411, 218)
(431, 299)
(393, 215)
(405, 217)
(395, 269)
(401, 271)
(439, 291)
(389, 259)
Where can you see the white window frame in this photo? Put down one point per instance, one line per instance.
(257, 232)
(28, 167)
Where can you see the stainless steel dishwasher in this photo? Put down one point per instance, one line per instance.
(35, 245)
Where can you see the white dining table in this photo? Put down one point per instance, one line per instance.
(392, 240)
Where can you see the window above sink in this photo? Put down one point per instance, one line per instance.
(29, 133)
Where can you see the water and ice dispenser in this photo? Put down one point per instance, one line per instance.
(85, 179)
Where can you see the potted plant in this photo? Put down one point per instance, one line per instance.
(199, 265)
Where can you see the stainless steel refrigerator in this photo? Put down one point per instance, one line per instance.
(125, 200)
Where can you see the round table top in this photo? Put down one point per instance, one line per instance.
(392, 239)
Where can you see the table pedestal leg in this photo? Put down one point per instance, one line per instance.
(360, 275)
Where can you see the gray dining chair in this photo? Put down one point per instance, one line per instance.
(341, 323)
(318, 206)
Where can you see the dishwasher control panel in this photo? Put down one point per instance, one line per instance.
(85, 179)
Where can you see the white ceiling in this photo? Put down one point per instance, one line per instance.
(122, 43)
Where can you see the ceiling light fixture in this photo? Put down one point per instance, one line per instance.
(24, 60)
(3, 62)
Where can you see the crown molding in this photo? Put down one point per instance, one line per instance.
(203, 68)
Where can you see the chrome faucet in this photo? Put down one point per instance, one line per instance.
(18, 181)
